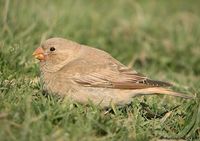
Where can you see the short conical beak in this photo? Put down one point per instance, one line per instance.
(39, 54)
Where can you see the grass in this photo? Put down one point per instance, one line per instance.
(158, 38)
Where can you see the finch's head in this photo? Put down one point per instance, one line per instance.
(54, 51)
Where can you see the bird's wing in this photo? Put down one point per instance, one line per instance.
(109, 73)
(117, 80)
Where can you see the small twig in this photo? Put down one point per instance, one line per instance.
(5, 17)
(132, 62)
(5, 13)
(166, 116)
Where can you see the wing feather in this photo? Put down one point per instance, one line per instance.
(107, 72)
(118, 80)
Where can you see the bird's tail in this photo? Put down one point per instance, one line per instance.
(158, 90)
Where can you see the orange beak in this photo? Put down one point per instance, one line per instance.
(39, 54)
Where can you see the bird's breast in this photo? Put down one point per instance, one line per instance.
(57, 84)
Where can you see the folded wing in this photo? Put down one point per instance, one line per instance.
(120, 79)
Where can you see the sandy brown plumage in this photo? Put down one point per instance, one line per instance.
(85, 74)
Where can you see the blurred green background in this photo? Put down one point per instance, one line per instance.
(158, 38)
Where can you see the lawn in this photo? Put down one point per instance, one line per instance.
(158, 38)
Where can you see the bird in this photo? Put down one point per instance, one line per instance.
(86, 74)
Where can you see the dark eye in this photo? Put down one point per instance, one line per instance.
(52, 49)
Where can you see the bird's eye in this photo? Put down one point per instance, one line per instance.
(52, 49)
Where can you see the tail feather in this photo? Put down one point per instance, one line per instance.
(157, 90)
(158, 83)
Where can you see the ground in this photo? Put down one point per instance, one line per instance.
(157, 38)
